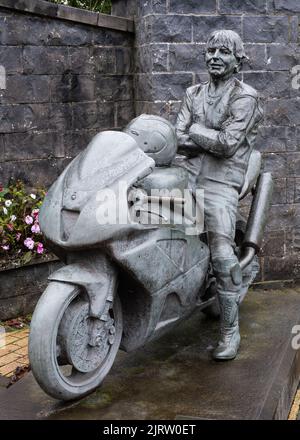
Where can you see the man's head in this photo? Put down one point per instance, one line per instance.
(224, 53)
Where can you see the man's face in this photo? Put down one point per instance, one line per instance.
(220, 60)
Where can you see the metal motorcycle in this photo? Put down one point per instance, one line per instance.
(126, 282)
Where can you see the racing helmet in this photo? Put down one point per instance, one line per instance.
(155, 136)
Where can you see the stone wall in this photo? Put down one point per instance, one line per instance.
(170, 39)
(68, 76)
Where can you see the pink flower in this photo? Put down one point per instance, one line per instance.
(18, 236)
(10, 227)
(29, 243)
(5, 247)
(35, 228)
(28, 220)
(35, 213)
(40, 248)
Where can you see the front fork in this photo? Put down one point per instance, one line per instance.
(97, 276)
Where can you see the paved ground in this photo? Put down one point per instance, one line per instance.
(14, 354)
(295, 410)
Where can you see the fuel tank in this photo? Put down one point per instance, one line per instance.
(94, 183)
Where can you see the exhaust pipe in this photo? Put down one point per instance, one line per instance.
(257, 218)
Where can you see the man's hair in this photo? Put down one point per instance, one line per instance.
(229, 39)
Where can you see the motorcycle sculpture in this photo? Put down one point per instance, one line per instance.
(125, 283)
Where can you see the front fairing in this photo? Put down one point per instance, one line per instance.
(94, 182)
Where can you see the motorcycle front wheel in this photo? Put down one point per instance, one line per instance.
(64, 361)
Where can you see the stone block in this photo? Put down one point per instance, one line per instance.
(22, 89)
(257, 57)
(292, 241)
(151, 58)
(72, 88)
(293, 161)
(147, 7)
(203, 26)
(77, 141)
(11, 59)
(167, 110)
(108, 37)
(33, 145)
(104, 59)
(274, 139)
(171, 87)
(81, 60)
(279, 191)
(273, 244)
(93, 115)
(14, 118)
(35, 173)
(275, 163)
(35, 6)
(290, 190)
(192, 6)
(125, 112)
(283, 217)
(287, 6)
(60, 116)
(168, 29)
(187, 57)
(270, 84)
(282, 111)
(297, 195)
(294, 29)
(45, 60)
(37, 117)
(63, 33)
(114, 87)
(242, 6)
(276, 268)
(266, 29)
(143, 87)
(124, 60)
(85, 115)
(17, 30)
(282, 57)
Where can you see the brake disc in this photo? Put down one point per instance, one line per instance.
(77, 331)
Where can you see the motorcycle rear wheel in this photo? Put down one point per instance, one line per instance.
(61, 303)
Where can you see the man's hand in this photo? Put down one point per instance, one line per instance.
(187, 146)
(196, 128)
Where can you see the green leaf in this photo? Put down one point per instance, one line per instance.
(26, 258)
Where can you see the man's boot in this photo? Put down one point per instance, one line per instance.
(230, 336)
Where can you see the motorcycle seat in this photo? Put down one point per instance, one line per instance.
(165, 178)
(252, 173)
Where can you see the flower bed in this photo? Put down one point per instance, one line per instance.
(25, 263)
(20, 235)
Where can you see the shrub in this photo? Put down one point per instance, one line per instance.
(103, 6)
(20, 235)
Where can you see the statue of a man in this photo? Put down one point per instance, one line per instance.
(216, 130)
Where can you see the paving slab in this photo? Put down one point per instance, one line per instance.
(175, 377)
